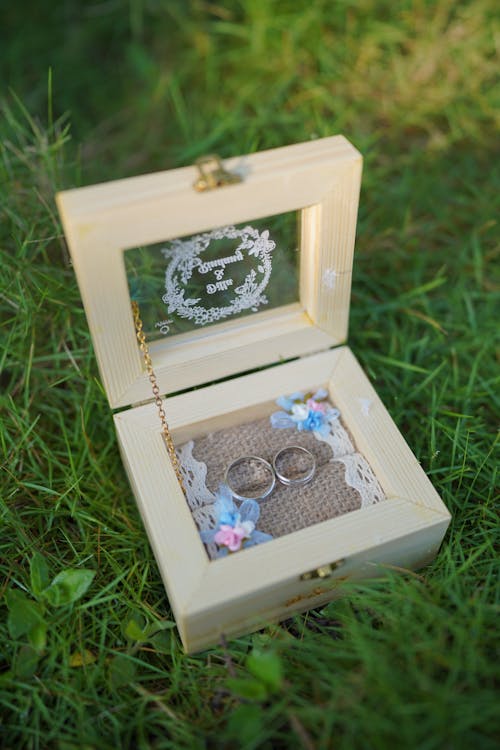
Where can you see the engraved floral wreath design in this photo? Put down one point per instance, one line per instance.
(184, 257)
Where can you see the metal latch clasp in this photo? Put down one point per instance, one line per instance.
(324, 571)
(213, 174)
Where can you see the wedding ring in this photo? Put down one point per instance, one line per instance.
(294, 465)
(250, 478)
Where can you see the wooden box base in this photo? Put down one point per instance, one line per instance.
(242, 592)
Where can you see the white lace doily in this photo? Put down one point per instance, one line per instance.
(198, 496)
(338, 439)
(359, 476)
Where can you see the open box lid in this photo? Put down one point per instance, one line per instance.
(319, 179)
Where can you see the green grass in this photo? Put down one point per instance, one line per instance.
(409, 661)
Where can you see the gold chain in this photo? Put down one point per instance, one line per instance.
(141, 337)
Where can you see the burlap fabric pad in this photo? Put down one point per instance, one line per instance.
(287, 509)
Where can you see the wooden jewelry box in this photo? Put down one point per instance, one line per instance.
(297, 345)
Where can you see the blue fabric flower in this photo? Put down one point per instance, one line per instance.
(314, 421)
(305, 412)
(234, 526)
(281, 420)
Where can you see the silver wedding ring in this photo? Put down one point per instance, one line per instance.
(294, 465)
(254, 478)
(250, 478)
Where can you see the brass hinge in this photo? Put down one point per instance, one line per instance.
(324, 571)
(213, 174)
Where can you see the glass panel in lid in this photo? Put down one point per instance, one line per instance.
(189, 283)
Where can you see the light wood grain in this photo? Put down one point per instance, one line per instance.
(378, 438)
(405, 530)
(100, 222)
(320, 180)
(328, 233)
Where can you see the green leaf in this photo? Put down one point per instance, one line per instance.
(245, 724)
(82, 658)
(137, 629)
(26, 662)
(121, 671)
(6, 678)
(68, 586)
(39, 574)
(162, 641)
(157, 626)
(266, 666)
(37, 636)
(24, 614)
(134, 632)
(248, 688)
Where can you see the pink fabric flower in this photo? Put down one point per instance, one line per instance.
(317, 405)
(232, 536)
